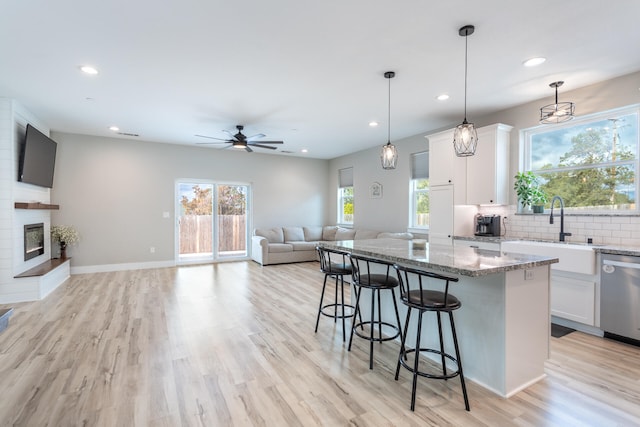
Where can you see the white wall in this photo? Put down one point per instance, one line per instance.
(114, 192)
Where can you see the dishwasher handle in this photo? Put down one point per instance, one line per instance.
(608, 265)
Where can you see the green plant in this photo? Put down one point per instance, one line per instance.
(527, 186)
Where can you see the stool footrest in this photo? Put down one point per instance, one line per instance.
(453, 374)
(338, 315)
(378, 339)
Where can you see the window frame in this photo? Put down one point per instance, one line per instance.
(419, 172)
(345, 183)
(526, 156)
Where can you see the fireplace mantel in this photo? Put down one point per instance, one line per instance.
(35, 205)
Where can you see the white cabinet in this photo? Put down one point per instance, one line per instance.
(488, 170)
(445, 168)
(573, 297)
(441, 214)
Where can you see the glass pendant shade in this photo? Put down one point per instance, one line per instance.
(465, 136)
(389, 156)
(465, 139)
(559, 112)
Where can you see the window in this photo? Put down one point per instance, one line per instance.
(590, 162)
(419, 190)
(345, 196)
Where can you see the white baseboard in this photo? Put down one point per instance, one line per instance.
(105, 268)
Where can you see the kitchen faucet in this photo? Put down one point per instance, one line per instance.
(562, 233)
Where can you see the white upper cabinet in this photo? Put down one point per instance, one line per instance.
(481, 179)
(445, 168)
(488, 170)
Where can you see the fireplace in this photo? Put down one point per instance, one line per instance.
(33, 240)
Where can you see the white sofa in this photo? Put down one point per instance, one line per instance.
(280, 245)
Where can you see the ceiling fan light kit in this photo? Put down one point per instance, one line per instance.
(559, 112)
(389, 154)
(465, 136)
(240, 141)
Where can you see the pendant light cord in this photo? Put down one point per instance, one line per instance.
(466, 41)
(389, 115)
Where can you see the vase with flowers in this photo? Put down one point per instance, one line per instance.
(64, 235)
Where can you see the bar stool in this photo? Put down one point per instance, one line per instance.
(376, 282)
(334, 264)
(415, 295)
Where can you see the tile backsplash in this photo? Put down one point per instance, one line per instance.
(621, 230)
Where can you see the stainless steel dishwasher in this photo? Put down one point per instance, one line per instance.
(620, 297)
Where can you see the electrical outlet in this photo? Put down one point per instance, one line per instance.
(152, 250)
(528, 275)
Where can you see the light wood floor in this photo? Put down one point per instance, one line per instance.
(233, 345)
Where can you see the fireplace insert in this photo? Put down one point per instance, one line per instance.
(33, 240)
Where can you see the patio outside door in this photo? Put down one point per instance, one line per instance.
(205, 236)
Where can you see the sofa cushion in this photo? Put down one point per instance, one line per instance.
(293, 234)
(273, 235)
(303, 246)
(280, 247)
(345, 233)
(329, 232)
(366, 234)
(312, 234)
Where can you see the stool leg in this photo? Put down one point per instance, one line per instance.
(344, 332)
(324, 286)
(402, 342)
(335, 299)
(357, 312)
(415, 363)
(395, 306)
(379, 317)
(444, 365)
(455, 343)
(356, 291)
(373, 318)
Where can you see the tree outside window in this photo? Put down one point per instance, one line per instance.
(591, 164)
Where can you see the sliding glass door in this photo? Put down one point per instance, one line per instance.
(212, 221)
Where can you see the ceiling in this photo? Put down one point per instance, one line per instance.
(307, 73)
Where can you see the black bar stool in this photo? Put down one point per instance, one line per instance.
(414, 294)
(376, 282)
(334, 264)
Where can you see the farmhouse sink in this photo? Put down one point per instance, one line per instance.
(573, 257)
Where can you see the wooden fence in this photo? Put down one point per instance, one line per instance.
(196, 234)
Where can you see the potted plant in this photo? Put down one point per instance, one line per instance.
(527, 186)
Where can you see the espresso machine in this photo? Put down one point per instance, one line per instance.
(487, 225)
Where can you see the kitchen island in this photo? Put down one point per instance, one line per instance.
(504, 324)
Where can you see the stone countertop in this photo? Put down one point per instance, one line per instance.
(463, 261)
(598, 248)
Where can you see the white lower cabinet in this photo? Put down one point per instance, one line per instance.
(573, 297)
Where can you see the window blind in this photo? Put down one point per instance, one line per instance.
(345, 177)
(420, 165)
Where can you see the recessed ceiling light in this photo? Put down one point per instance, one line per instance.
(534, 61)
(304, 150)
(88, 69)
(442, 97)
(114, 128)
(373, 124)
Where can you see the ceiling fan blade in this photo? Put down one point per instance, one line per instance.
(248, 149)
(211, 137)
(270, 142)
(229, 133)
(262, 146)
(257, 135)
(212, 143)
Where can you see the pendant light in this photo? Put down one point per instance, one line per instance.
(558, 112)
(465, 136)
(389, 154)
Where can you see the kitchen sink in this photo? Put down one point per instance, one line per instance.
(573, 257)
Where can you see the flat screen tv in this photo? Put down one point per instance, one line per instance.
(37, 158)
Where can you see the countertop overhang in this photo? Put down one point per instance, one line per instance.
(464, 261)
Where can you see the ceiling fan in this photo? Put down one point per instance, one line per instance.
(239, 140)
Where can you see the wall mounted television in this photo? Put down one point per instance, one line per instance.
(37, 158)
